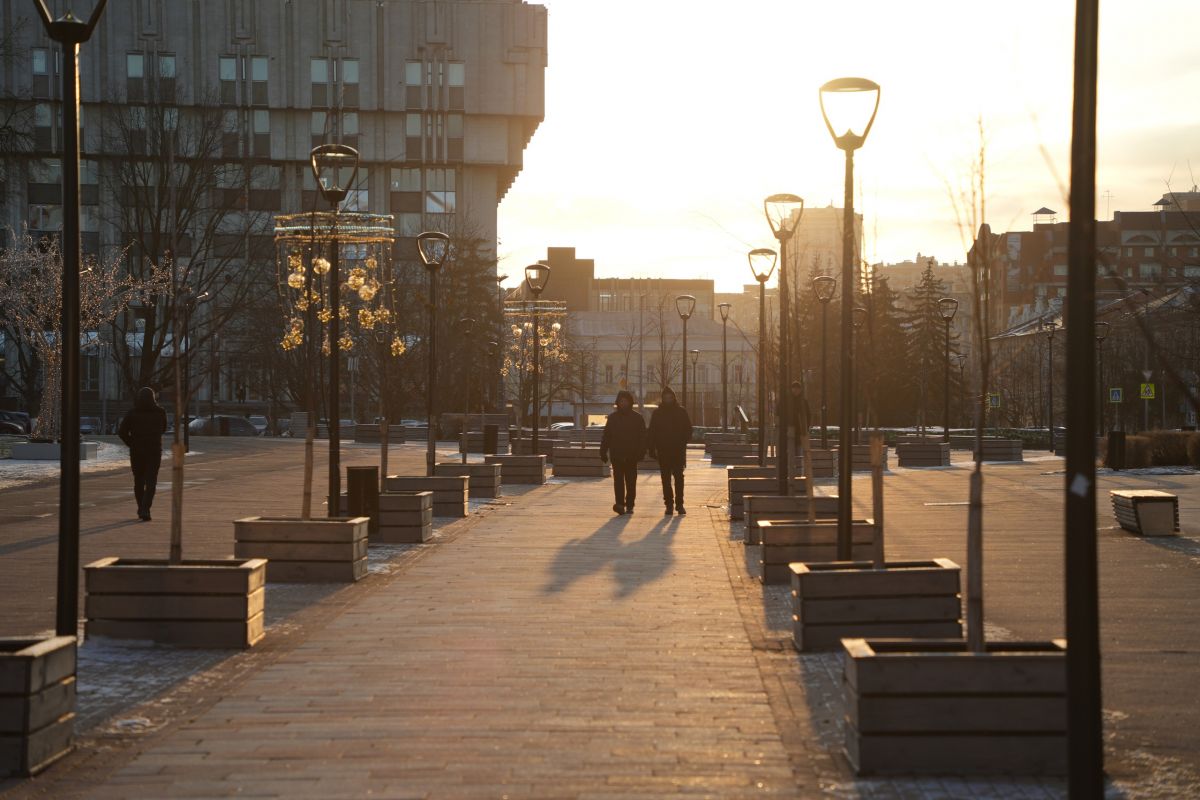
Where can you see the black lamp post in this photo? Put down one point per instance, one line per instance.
(1049, 327)
(70, 33)
(724, 309)
(859, 319)
(762, 265)
(433, 247)
(685, 304)
(962, 364)
(948, 307)
(783, 212)
(848, 106)
(823, 287)
(695, 391)
(334, 167)
(189, 300)
(467, 326)
(1101, 335)
(536, 277)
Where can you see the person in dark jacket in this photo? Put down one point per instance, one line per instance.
(670, 432)
(142, 430)
(625, 441)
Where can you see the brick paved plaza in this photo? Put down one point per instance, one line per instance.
(544, 648)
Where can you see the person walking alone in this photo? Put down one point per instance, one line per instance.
(670, 432)
(625, 441)
(142, 430)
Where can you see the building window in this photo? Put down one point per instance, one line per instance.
(41, 72)
(405, 191)
(89, 183)
(412, 137)
(318, 128)
(357, 197)
(228, 74)
(1128, 251)
(1060, 270)
(45, 182)
(264, 188)
(135, 76)
(262, 132)
(165, 79)
(608, 373)
(1192, 271)
(350, 82)
(137, 129)
(229, 134)
(1150, 272)
(258, 80)
(1147, 251)
(456, 78)
(412, 84)
(43, 126)
(608, 301)
(319, 67)
(454, 137)
(439, 191)
(350, 129)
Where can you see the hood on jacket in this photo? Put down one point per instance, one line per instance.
(669, 392)
(624, 394)
(145, 400)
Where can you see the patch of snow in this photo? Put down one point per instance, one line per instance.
(19, 472)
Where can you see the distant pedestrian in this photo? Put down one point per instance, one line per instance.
(625, 441)
(670, 432)
(142, 430)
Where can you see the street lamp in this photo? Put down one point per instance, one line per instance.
(762, 265)
(685, 304)
(536, 277)
(70, 33)
(467, 326)
(962, 363)
(1101, 335)
(434, 247)
(695, 358)
(859, 319)
(948, 307)
(823, 287)
(334, 167)
(189, 301)
(1049, 327)
(724, 309)
(848, 106)
(783, 212)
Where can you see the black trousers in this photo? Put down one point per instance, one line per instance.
(625, 481)
(145, 477)
(672, 472)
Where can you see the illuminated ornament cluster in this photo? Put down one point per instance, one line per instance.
(398, 347)
(294, 337)
(320, 265)
(358, 277)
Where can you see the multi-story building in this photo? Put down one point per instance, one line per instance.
(439, 98)
(816, 246)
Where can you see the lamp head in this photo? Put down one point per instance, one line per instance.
(536, 277)
(783, 214)
(334, 167)
(858, 317)
(823, 287)
(762, 263)
(467, 325)
(948, 307)
(685, 304)
(1101, 331)
(433, 246)
(848, 106)
(724, 309)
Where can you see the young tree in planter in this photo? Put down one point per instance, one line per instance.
(31, 274)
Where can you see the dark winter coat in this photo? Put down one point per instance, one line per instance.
(670, 432)
(624, 437)
(143, 427)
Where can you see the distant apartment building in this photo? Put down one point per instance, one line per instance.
(439, 98)
(816, 246)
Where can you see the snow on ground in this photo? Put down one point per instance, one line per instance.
(19, 472)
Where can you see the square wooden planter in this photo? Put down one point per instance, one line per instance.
(210, 603)
(931, 707)
(1001, 449)
(520, 469)
(483, 480)
(923, 454)
(851, 599)
(318, 550)
(725, 452)
(450, 492)
(405, 517)
(860, 457)
(740, 487)
(759, 507)
(37, 702)
(580, 462)
(786, 542)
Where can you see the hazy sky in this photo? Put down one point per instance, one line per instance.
(667, 122)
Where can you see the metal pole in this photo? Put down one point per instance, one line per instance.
(537, 368)
(1102, 412)
(946, 389)
(431, 435)
(725, 374)
(335, 357)
(641, 362)
(1085, 746)
(759, 376)
(1050, 391)
(683, 355)
(847, 364)
(467, 405)
(824, 374)
(782, 403)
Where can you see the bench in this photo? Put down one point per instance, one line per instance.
(1146, 512)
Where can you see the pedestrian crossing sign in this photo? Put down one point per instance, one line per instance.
(1116, 395)
(1147, 391)
(993, 399)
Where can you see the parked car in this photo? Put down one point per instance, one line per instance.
(89, 426)
(563, 426)
(11, 428)
(222, 425)
(259, 422)
(19, 418)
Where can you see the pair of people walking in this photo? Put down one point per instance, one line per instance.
(627, 440)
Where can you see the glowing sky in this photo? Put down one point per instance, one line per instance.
(668, 121)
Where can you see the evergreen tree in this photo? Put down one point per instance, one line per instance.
(926, 359)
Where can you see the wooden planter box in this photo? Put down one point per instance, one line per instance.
(760, 507)
(37, 702)
(786, 542)
(1001, 450)
(450, 492)
(648, 464)
(580, 462)
(211, 603)
(723, 452)
(372, 434)
(860, 457)
(318, 550)
(927, 454)
(824, 462)
(483, 480)
(715, 438)
(525, 469)
(405, 517)
(739, 487)
(931, 707)
(852, 599)
(546, 445)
